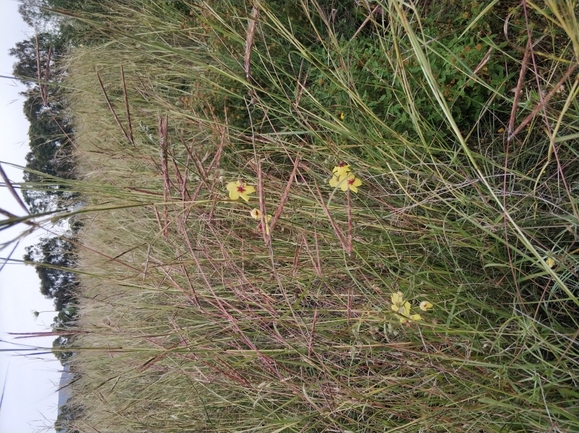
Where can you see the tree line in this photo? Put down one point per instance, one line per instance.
(50, 163)
(39, 66)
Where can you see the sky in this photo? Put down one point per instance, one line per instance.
(30, 382)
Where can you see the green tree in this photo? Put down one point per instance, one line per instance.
(60, 348)
(50, 130)
(53, 258)
(67, 414)
(38, 57)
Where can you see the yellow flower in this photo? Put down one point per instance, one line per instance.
(339, 173)
(341, 170)
(402, 307)
(239, 189)
(425, 305)
(256, 214)
(350, 182)
(342, 176)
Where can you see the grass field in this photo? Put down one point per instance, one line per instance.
(400, 155)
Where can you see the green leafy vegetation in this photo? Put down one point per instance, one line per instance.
(326, 216)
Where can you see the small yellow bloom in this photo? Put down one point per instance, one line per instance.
(341, 115)
(341, 170)
(256, 214)
(351, 183)
(402, 307)
(550, 262)
(425, 305)
(239, 189)
(342, 176)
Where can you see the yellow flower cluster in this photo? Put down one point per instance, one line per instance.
(343, 177)
(402, 308)
(239, 190)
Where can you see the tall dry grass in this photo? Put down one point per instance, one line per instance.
(197, 320)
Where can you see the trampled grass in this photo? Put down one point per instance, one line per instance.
(196, 319)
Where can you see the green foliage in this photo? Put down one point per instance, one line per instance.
(54, 261)
(67, 415)
(39, 67)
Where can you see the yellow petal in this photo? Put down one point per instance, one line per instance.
(415, 317)
(249, 189)
(232, 186)
(255, 214)
(334, 181)
(425, 305)
(397, 299)
(354, 185)
(405, 309)
(260, 228)
(350, 182)
(341, 170)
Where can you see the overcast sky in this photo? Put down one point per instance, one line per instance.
(30, 398)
